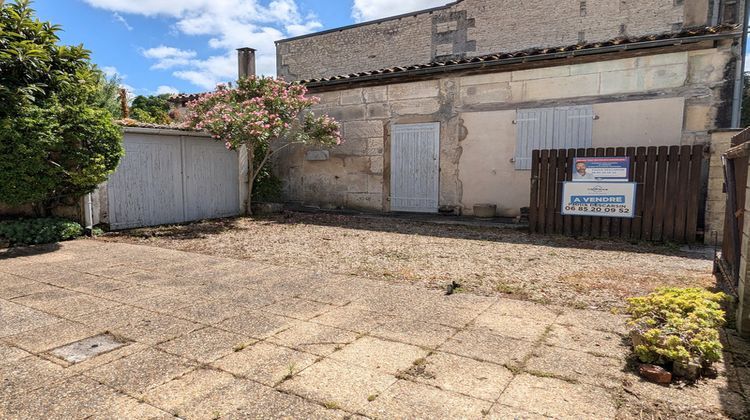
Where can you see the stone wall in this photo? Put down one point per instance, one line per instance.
(716, 199)
(662, 99)
(475, 27)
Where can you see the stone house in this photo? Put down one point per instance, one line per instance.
(440, 109)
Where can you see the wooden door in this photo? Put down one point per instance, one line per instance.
(415, 167)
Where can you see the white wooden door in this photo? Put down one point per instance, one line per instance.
(210, 171)
(165, 179)
(146, 188)
(415, 167)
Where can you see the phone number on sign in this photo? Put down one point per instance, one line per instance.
(597, 209)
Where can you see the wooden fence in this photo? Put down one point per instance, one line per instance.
(669, 184)
(735, 183)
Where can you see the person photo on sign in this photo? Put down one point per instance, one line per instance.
(581, 172)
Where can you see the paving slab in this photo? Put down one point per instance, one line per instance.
(314, 338)
(28, 374)
(266, 363)
(18, 318)
(587, 340)
(339, 384)
(137, 373)
(483, 345)
(557, 398)
(298, 308)
(152, 328)
(386, 356)
(50, 336)
(205, 345)
(520, 327)
(462, 375)
(577, 366)
(411, 400)
(413, 331)
(257, 324)
(351, 318)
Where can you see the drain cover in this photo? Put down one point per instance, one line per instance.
(87, 348)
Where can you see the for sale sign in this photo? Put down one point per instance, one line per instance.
(609, 199)
(609, 169)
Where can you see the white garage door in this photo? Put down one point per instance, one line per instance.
(415, 167)
(166, 179)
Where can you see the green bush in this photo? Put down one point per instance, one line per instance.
(38, 231)
(677, 325)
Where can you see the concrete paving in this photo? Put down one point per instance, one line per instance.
(210, 337)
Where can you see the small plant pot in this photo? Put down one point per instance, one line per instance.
(485, 211)
(268, 208)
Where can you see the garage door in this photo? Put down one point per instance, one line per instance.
(166, 179)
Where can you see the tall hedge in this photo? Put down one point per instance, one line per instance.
(57, 141)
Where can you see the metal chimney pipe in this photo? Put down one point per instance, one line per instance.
(246, 62)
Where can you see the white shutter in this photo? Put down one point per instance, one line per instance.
(567, 127)
(534, 130)
(415, 166)
(573, 127)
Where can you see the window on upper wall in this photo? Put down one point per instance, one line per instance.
(567, 127)
(583, 8)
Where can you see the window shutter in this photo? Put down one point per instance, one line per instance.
(534, 130)
(568, 127)
(573, 127)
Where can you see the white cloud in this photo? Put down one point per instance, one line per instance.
(364, 10)
(168, 57)
(110, 71)
(228, 24)
(117, 17)
(166, 89)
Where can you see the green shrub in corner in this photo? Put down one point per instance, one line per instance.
(677, 325)
(38, 231)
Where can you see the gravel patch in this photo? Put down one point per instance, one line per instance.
(596, 274)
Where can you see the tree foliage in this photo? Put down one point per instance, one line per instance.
(263, 114)
(57, 138)
(151, 109)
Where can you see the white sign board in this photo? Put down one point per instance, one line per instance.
(608, 199)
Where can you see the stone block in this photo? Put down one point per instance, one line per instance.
(347, 113)
(423, 106)
(443, 49)
(328, 98)
(427, 89)
(350, 146)
(356, 183)
(375, 184)
(377, 111)
(665, 77)
(446, 26)
(317, 155)
(352, 97)
(541, 73)
(650, 61)
(698, 117)
(483, 94)
(356, 164)
(375, 94)
(483, 79)
(376, 164)
(362, 129)
(364, 201)
(603, 66)
(706, 66)
(563, 87)
(375, 146)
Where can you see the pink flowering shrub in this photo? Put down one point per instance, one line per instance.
(262, 113)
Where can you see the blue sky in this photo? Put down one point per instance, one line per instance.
(160, 46)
